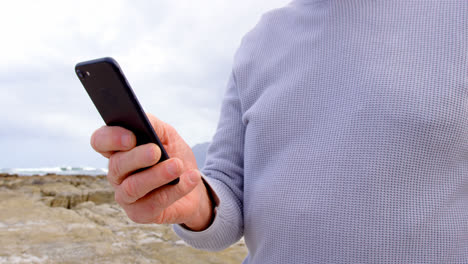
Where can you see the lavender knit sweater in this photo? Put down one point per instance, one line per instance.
(343, 136)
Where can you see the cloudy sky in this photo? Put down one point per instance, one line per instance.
(177, 55)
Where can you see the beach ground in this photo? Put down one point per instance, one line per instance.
(74, 219)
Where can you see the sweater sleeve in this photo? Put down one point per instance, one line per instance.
(223, 171)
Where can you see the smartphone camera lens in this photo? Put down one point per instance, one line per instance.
(80, 74)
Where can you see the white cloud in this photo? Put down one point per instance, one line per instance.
(176, 54)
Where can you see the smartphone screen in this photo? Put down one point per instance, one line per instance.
(115, 100)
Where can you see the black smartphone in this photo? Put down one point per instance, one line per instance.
(115, 100)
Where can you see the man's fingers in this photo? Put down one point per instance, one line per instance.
(121, 164)
(107, 140)
(159, 127)
(154, 207)
(139, 184)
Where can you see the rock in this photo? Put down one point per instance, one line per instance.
(73, 219)
(62, 191)
(101, 196)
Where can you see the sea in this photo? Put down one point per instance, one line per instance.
(65, 170)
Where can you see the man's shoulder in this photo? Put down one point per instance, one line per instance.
(271, 32)
(271, 24)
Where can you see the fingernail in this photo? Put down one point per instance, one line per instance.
(193, 176)
(126, 141)
(173, 167)
(152, 154)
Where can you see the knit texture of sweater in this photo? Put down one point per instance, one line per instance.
(343, 136)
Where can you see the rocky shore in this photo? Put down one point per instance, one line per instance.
(74, 219)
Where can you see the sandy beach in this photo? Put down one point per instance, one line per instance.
(74, 219)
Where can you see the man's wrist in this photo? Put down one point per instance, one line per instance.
(207, 212)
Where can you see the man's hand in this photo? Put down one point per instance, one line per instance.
(144, 195)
